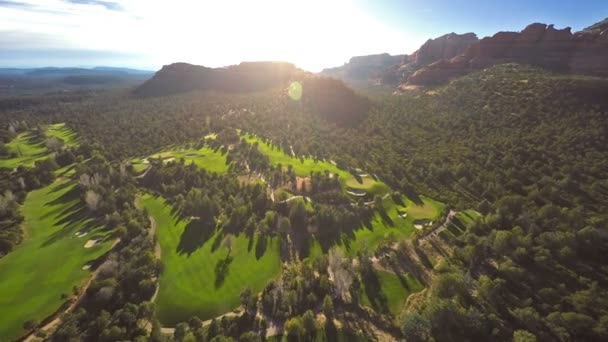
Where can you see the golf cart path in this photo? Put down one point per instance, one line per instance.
(50, 326)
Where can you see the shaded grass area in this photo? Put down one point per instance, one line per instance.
(462, 221)
(48, 263)
(387, 225)
(201, 277)
(302, 166)
(30, 148)
(63, 133)
(386, 292)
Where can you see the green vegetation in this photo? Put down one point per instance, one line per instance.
(49, 262)
(394, 290)
(27, 149)
(29, 146)
(189, 283)
(204, 157)
(302, 166)
(63, 133)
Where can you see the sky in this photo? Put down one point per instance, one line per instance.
(313, 34)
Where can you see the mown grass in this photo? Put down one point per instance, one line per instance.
(204, 157)
(49, 261)
(462, 221)
(394, 290)
(29, 148)
(189, 282)
(301, 166)
(61, 132)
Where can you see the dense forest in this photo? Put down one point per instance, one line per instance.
(525, 147)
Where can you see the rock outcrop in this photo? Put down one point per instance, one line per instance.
(444, 47)
(584, 52)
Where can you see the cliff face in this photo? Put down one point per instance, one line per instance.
(387, 69)
(584, 52)
(446, 46)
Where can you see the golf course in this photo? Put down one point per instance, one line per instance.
(28, 147)
(39, 276)
(190, 284)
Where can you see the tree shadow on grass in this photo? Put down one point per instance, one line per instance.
(373, 290)
(196, 233)
(60, 187)
(260, 246)
(68, 196)
(221, 270)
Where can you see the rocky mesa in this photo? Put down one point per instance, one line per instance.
(583, 52)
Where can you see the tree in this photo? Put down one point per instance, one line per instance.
(416, 328)
(294, 327)
(250, 336)
(245, 297)
(227, 243)
(92, 200)
(328, 306)
(284, 226)
(180, 332)
(378, 203)
(523, 336)
(309, 322)
(297, 214)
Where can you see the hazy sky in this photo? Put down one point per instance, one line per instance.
(313, 34)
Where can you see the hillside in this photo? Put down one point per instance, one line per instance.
(517, 153)
(583, 52)
(328, 97)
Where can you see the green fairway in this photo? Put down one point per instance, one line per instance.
(189, 285)
(49, 261)
(302, 167)
(60, 131)
(394, 290)
(204, 157)
(29, 148)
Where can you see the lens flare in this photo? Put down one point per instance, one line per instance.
(295, 90)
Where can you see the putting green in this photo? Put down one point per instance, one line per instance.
(189, 285)
(49, 261)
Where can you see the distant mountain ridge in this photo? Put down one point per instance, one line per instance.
(70, 71)
(387, 69)
(443, 58)
(329, 97)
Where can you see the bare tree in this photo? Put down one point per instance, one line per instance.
(92, 200)
(341, 273)
(53, 144)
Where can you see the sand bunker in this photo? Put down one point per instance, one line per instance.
(92, 243)
(418, 226)
(403, 215)
(86, 267)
